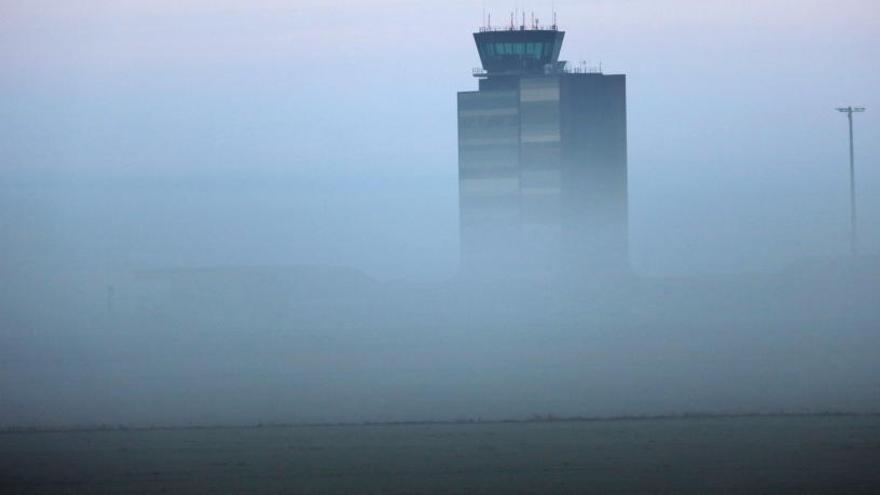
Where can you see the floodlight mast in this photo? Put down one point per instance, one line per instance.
(854, 238)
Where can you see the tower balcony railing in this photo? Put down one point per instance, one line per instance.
(561, 67)
(582, 68)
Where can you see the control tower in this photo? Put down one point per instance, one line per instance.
(542, 159)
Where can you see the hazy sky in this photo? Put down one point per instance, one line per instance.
(162, 134)
(351, 105)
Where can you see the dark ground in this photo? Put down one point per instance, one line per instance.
(784, 454)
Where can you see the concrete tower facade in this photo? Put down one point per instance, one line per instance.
(542, 159)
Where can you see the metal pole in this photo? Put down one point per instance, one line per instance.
(854, 235)
(854, 238)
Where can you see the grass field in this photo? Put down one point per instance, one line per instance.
(786, 454)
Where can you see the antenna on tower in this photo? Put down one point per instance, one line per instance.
(554, 16)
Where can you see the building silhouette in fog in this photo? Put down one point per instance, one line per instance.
(542, 159)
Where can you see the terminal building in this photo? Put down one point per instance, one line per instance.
(542, 159)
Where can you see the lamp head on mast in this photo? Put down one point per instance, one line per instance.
(851, 109)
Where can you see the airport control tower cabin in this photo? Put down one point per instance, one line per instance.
(542, 160)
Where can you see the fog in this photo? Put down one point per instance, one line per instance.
(219, 213)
